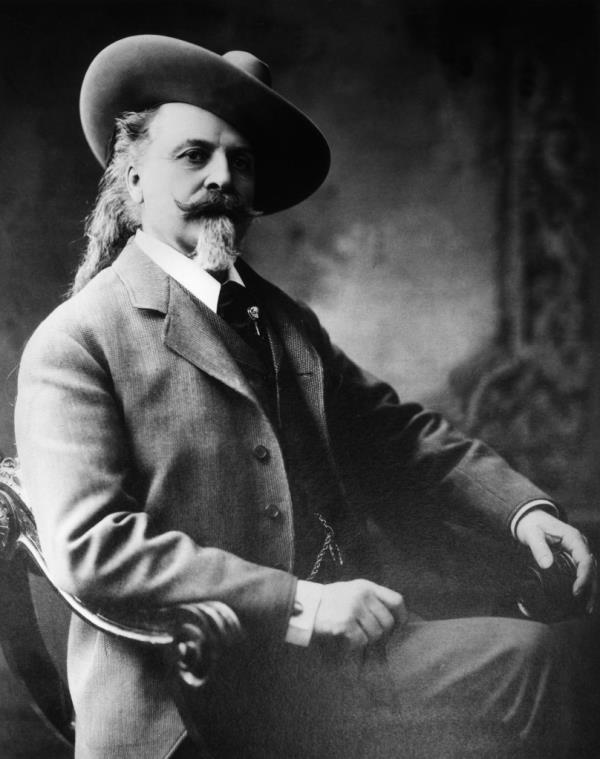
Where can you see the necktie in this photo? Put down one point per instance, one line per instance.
(240, 310)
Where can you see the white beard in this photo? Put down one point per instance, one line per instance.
(216, 249)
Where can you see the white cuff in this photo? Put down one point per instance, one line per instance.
(302, 621)
(539, 503)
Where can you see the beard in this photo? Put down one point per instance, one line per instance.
(222, 221)
(217, 247)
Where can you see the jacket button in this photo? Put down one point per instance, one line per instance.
(272, 511)
(280, 566)
(261, 453)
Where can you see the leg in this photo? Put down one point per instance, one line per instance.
(479, 687)
(581, 637)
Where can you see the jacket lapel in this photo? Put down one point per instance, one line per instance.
(191, 329)
(194, 332)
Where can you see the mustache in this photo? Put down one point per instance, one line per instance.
(218, 203)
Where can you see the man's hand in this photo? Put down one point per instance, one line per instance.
(358, 613)
(540, 530)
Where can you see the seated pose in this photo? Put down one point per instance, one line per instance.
(188, 432)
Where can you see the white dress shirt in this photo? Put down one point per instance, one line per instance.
(206, 288)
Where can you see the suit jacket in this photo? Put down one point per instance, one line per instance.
(149, 463)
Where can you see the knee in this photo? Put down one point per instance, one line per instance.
(535, 658)
(532, 690)
(536, 645)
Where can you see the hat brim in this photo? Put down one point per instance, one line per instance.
(135, 73)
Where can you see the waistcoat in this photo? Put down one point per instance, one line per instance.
(329, 546)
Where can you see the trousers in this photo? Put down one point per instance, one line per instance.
(485, 687)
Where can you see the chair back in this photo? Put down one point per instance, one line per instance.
(27, 599)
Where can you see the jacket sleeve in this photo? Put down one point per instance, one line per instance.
(398, 456)
(97, 539)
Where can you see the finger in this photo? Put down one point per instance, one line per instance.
(392, 600)
(370, 626)
(383, 615)
(594, 591)
(585, 574)
(538, 545)
(399, 612)
(356, 638)
(576, 545)
(573, 541)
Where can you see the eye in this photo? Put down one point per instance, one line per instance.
(243, 162)
(198, 156)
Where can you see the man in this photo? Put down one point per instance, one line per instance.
(188, 432)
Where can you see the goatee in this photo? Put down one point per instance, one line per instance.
(216, 249)
(223, 220)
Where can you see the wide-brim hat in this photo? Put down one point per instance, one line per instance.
(292, 156)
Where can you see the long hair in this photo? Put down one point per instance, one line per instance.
(115, 217)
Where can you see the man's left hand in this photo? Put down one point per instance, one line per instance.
(540, 530)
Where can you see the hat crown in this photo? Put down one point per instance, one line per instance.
(250, 64)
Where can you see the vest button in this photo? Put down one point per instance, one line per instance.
(272, 511)
(261, 453)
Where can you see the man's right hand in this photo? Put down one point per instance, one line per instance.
(358, 613)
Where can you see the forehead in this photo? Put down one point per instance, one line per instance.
(176, 123)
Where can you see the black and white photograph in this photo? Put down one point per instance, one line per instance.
(300, 379)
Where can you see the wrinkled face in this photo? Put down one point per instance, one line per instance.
(190, 156)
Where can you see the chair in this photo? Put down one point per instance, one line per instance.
(191, 637)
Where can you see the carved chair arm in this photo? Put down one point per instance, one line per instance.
(193, 637)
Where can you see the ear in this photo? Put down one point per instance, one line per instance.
(134, 185)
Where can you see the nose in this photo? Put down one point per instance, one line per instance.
(218, 173)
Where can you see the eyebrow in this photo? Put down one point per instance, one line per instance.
(210, 146)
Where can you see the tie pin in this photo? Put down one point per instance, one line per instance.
(254, 313)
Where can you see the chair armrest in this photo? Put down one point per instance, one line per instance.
(192, 637)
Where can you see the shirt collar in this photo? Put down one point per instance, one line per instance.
(197, 281)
